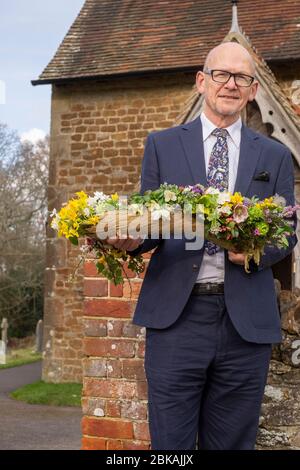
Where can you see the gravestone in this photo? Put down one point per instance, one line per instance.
(39, 336)
(2, 352)
(3, 342)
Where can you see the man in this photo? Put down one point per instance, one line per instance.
(210, 325)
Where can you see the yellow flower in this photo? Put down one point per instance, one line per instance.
(115, 197)
(93, 220)
(268, 202)
(236, 198)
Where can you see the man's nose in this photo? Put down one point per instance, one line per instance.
(231, 83)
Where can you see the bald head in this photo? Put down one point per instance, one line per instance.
(230, 53)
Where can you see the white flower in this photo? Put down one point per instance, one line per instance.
(53, 213)
(212, 190)
(100, 208)
(223, 197)
(153, 206)
(161, 213)
(279, 200)
(224, 210)
(134, 209)
(86, 211)
(187, 189)
(169, 195)
(54, 223)
(97, 198)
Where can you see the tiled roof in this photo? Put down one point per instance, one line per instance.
(126, 36)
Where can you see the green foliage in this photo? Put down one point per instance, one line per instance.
(41, 393)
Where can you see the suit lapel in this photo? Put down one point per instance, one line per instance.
(249, 156)
(192, 141)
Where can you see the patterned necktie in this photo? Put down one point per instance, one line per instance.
(218, 173)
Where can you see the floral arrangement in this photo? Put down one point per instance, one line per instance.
(232, 221)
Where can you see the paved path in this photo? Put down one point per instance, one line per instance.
(34, 427)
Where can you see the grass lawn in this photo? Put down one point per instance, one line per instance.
(41, 393)
(19, 357)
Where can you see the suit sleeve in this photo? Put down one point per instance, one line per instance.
(284, 187)
(150, 180)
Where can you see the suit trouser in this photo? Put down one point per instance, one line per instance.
(204, 380)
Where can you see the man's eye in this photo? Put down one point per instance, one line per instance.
(221, 74)
(242, 78)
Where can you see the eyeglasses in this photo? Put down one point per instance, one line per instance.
(221, 76)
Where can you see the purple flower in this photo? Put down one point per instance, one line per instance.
(197, 189)
(240, 213)
(256, 232)
(247, 202)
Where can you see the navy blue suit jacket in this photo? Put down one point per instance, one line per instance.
(176, 156)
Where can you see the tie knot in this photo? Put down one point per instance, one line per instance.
(220, 133)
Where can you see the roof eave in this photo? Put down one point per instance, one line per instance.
(138, 73)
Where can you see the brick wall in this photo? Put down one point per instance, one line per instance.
(97, 140)
(115, 391)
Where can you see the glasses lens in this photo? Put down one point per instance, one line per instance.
(220, 76)
(243, 80)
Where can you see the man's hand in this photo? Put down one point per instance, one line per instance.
(124, 242)
(236, 258)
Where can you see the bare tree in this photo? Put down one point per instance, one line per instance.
(23, 211)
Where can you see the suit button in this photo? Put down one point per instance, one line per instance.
(195, 267)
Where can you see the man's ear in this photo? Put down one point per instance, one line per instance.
(200, 77)
(253, 91)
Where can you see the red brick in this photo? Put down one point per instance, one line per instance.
(94, 367)
(93, 443)
(113, 409)
(141, 431)
(128, 272)
(115, 328)
(95, 288)
(141, 349)
(94, 327)
(109, 388)
(107, 308)
(142, 389)
(113, 444)
(115, 291)
(135, 410)
(136, 445)
(133, 369)
(132, 331)
(132, 289)
(106, 347)
(107, 428)
(114, 368)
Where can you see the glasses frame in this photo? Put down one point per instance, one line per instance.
(211, 73)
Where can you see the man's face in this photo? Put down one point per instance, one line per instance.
(224, 100)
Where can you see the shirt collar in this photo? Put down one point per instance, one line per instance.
(234, 130)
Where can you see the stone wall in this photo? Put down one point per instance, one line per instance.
(280, 415)
(98, 132)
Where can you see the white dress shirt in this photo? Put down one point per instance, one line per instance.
(212, 267)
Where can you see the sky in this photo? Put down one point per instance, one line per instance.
(30, 33)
